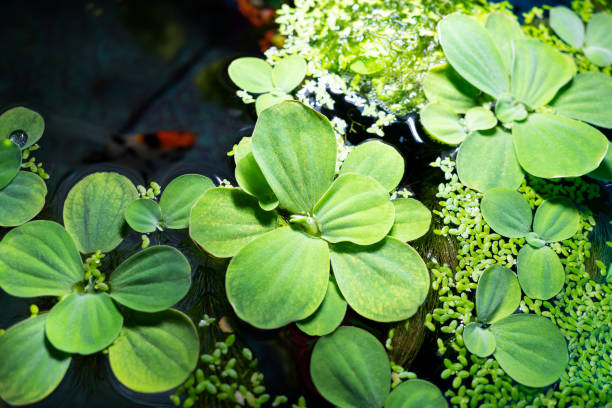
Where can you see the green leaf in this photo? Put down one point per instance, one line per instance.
(278, 278)
(179, 196)
(83, 323)
(486, 160)
(39, 259)
(367, 65)
(224, 220)
(442, 123)
(289, 73)
(155, 352)
(242, 149)
(94, 211)
(151, 280)
(143, 215)
(378, 160)
(412, 219)
(22, 199)
(416, 394)
(391, 272)
(30, 367)
(556, 219)
(10, 162)
(350, 368)
(504, 29)
(540, 272)
(328, 316)
(507, 212)
(584, 97)
(550, 146)
(508, 109)
(598, 40)
(443, 84)
(604, 171)
(264, 101)
(530, 349)
(539, 71)
(24, 119)
(251, 179)
(356, 208)
(479, 341)
(251, 74)
(479, 118)
(599, 56)
(498, 294)
(567, 25)
(295, 148)
(473, 53)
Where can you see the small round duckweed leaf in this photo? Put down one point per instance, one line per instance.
(443, 84)
(508, 109)
(390, 271)
(83, 323)
(155, 352)
(356, 208)
(479, 118)
(224, 220)
(498, 294)
(478, 341)
(567, 25)
(151, 280)
(442, 124)
(278, 278)
(328, 316)
(251, 74)
(598, 39)
(39, 259)
(264, 101)
(604, 171)
(416, 394)
(22, 199)
(412, 219)
(23, 119)
(94, 211)
(540, 272)
(556, 219)
(504, 29)
(378, 160)
(350, 368)
(10, 162)
(30, 367)
(179, 196)
(251, 179)
(289, 73)
(530, 349)
(143, 215)
(487, 160)
(507, 212)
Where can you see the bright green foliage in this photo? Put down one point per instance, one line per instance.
(143, 215)
(567, 25)
(443, 84)
(251, 180)
(498, 294)
(22, 199)
(478, 340)
(556, 219)
(329, 315)
(604, 171)
(479, 118)
(412, 219)
(377, 160)
(540, 272)
(504, 31)
(10, 162)
(416, 394)
(443, 124)
(507, 212)
(25, 120)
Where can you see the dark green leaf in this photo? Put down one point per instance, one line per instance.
(540, 272)
(556, 219)
(507, 212)
(23, 119)
(179, 196)
(416, 394)
(10, 162)
(378, 160)
(22, 199)
(143, 215)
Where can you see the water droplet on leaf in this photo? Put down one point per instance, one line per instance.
(19, 137)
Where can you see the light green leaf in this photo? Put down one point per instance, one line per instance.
(350, 368)
(264, 101)
(443, 124)
(251, 179)
(530, 349)
(583, 98)
(224, 220)
(598, 39)
(143, 215)
(486, 160)
(10, 162)
(507, 212)
(539, 71)
(599, 56)
(504, 29)
(22, 199)
(391, 272)
(479, 118)
(567, 25)
(24, 119)
(367, 65)
(242, 149)
(556, 219)
(83, 323)
(443, 84)
(508, 109)
(289, 73)
(278, 278)
(604, 171)
(416, 394)
(356, 208)
(30, 367)
(251, 74)
(378, 160)
(94, 211)
(328, 316)
(473, 53)
(551, 146)
(151, 280)
(478, 341)
(39, 259)
(412, 219)
(540, 272)
(155, 352)
(295, 148)
(498, 294)
(179, 196)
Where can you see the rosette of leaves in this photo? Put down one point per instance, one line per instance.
(529, 348)
(22, 193)
(514, 104)
(273, 84)
(351, 369)
(595, 42)
(145, 215)
(540, 271)
(151, 348)
(292, 216)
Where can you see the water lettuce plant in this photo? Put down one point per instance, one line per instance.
(292, 216)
